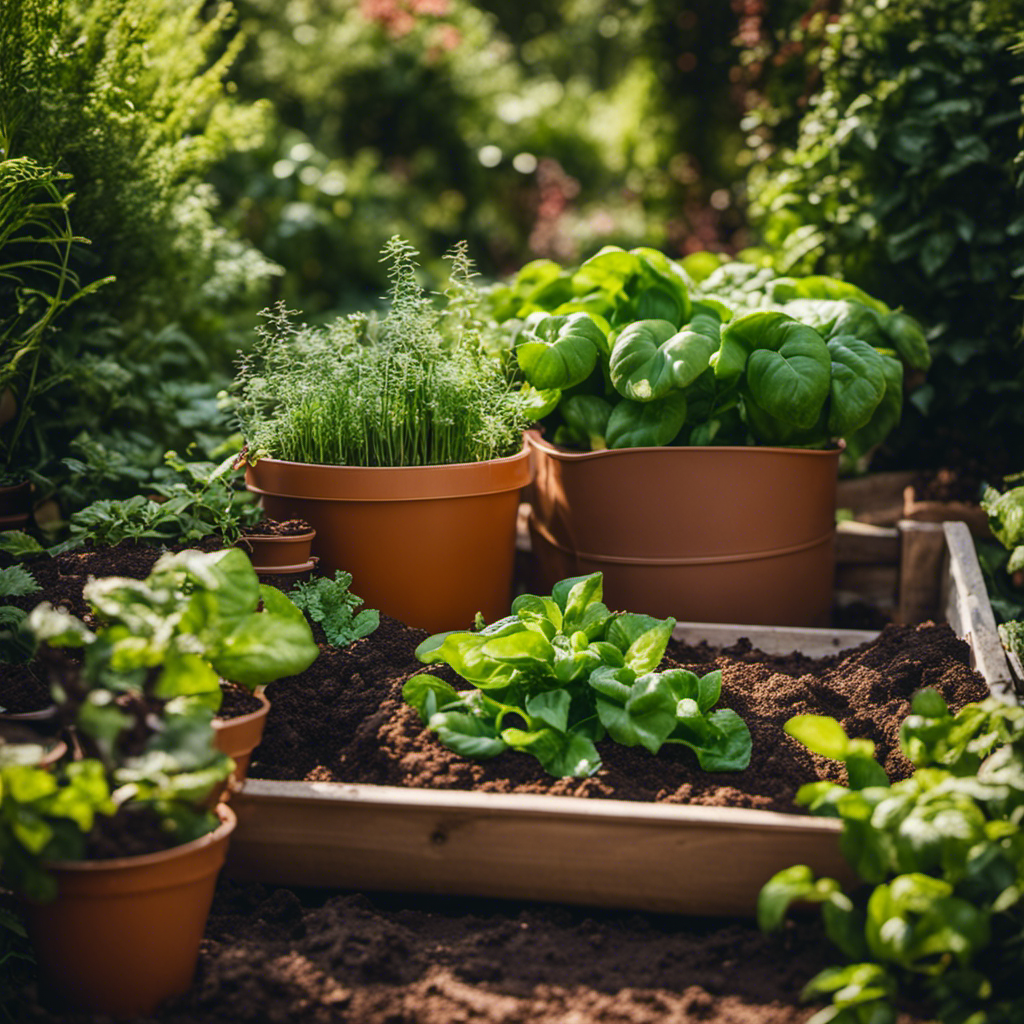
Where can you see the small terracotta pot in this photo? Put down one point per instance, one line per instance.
(15, 505)
(123, 935)
(270, 553)
(238, 738)
(702, 534)
(428, 545)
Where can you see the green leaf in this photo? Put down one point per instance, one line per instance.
(558, 351)
(584, 594)
(20, 544)
(58, 627)
(641, 638)
(428, 694)
(525, 649)
(467, 734)
(586, 418)
(646, 424)
(16, 581)
(646, 719)
(464, 653)
(560, 754)
(264, 647)
(551, 708)
(858, 384)
(820, 734)
(886, 416)
(651, 358)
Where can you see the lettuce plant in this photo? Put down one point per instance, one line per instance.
(633, 349)
(561, 673)
(196, 615)
(941, 919)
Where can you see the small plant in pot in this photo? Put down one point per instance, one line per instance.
(663, 387)
(400, 440)
(202, 611)
(115, 850)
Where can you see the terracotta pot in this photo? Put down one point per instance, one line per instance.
(238, 738)
(124, 934)
(702, 534)
(270, 553)
(15, 505)
(428, 545)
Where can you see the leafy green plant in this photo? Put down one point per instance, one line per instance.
(562, 672)
(1002, 563)
(940, 922)
(904, 177)
(330, 603)
(197, 500)
(37, 284)
(195, 611)
(413, 388)
(633, 349)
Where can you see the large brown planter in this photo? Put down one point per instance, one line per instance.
(702, 534)
(124, 934)
(428, 545)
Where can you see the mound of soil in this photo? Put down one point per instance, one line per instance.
(344, 720)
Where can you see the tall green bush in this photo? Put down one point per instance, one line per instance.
(128, 98)
(905, 179)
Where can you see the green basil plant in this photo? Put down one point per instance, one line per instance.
(141, 696)
(633, 349)
(939, 922)
(561, 673)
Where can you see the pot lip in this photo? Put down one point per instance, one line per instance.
(566, 454)
(302, 481)
(284, 463)
(228, 820)
(21, 484)
(243, 720)
(276, 538)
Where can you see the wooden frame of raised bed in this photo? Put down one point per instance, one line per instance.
(613, 853)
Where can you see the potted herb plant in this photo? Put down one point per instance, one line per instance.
(114, 851)
(690, 449)
(400, 440)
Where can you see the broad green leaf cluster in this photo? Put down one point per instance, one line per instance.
(330, 603)
(141, 698)
(561, 673)
(194, 617)
(633, 349)
(941, 919)
(1004, 566)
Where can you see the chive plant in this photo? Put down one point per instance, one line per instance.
(416, 387)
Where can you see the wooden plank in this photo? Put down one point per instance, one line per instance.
(612, 853)
(815, 643)
(969, 612)
(875, 498)
(922, 553)
(863, 544)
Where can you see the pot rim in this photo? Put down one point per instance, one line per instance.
(228, 820)
(304, 481)
(243, 720)
(536, 439)
(276, 538)
(397, 469)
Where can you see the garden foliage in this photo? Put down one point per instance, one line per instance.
(329, 602)
(632, 349)
(128, 98)
(905, 178)
(563, 672)
(414, 387)
(939, 922)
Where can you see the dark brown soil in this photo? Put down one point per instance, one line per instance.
(236, 701)
(274, 528)
(344, 720)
